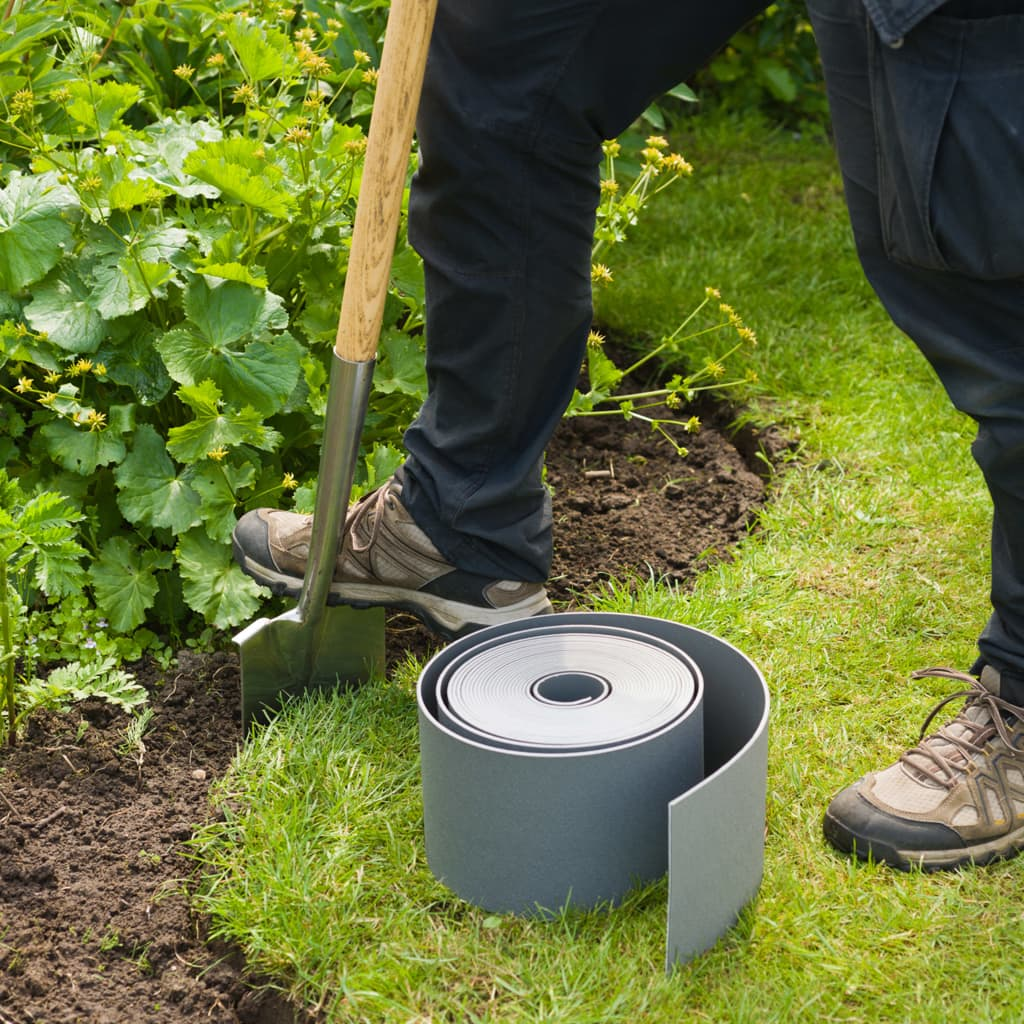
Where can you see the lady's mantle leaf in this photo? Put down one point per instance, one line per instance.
(124, 582)
(149, 491)
(208, 346)
(33, 231)
(63, 308)
(237, 169)
(213, 584)
(79, 449)
(214, 428)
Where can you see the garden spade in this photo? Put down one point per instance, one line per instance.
(314, 646)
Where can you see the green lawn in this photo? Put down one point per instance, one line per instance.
(870, 562)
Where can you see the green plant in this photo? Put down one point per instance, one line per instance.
(133, 747)
(177, 188)
(771, 65)
(38, 552)
(77, 681)
(176, 207)
(659, 406)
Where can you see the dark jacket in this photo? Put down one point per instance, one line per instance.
(893, 19)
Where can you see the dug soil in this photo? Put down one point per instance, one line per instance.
(95, 920)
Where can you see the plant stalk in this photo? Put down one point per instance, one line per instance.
(8, 657)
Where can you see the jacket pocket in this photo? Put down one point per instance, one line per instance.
(949, 120)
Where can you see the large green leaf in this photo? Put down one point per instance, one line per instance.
(132, 360)
(79, 449)
(262, 51)
(98, 105)
(213, 584)
(227, 312)
(214, 428)
(149, 490)
(217, 484)
(209, 346)
(132, 264)
(124, 582)
(162, 152)
(263, 375)
(401, 367)
(62, 306)
(34, 233)
(239, 171)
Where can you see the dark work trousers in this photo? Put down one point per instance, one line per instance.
(930, 136)
(518, 97)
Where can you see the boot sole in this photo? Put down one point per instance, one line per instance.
(450, 619)
(978, 855)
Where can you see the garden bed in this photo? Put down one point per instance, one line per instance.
(95, 922)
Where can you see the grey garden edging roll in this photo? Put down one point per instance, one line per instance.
(569, 757)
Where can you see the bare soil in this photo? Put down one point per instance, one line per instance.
(95, 920)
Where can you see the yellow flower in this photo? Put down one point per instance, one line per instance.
(715, 369)
(217, 454)
(676, 164)
(673, 401)
(23, 386)
(100, 370)
(651, 155)
(595, 339)
(355, 147)
(370, 76)
(90, 183)
(184, 71)
(692, 425)
(600, 274)
(611, 148)
(48, 399)
(215, 60)
(21, 331)
(747, 334)
(316, 65)
(609, 187)
(360, 56)
(61, 95)
(23, 101)
(244, 94)
(300, 133)
(712, 293)
(656, 142)
(305, 35)
(78, 368)
(96, 420)
(289, 483)
(53, 377)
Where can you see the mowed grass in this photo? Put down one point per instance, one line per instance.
(869, 562)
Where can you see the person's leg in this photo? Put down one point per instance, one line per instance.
(963, 304)
(517, 100)
(518, 97)
(970, 329)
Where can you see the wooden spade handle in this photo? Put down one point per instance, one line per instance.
(403, 60)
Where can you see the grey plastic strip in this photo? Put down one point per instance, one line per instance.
(674, 777)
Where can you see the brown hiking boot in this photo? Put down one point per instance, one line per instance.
(385, 559)
(956, 798)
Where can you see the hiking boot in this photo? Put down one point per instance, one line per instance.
(956, 798)
(385, 559)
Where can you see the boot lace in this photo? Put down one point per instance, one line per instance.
(944, 756)
(371, 506)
